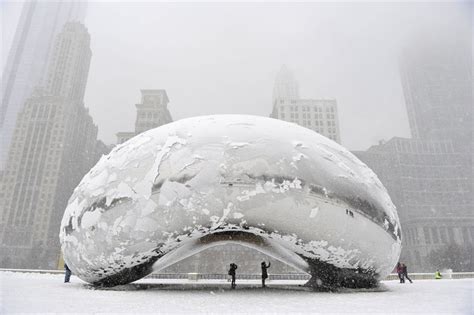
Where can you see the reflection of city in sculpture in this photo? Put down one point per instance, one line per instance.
(282, 189)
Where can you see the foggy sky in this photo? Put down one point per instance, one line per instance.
(223, 58)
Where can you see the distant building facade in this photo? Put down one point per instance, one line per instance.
(152, 112)
(430, 176)
(319, 115)
(39, 23)
(432, 192)
(54, 144)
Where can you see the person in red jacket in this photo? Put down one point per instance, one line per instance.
(400, 272)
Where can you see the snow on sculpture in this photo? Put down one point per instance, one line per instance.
(282, 189)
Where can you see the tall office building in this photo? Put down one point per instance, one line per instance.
(430, 176)
(54, 144)
(319, 115)
(152, 112)
(30, 52)
(437, 83)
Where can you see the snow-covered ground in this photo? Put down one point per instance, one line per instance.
(41, 293)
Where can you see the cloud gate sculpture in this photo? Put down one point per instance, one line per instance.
(282, 189)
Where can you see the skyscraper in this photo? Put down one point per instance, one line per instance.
(30, 52)
(54, 144)
(437, 83)
(429, 177)
(152, 112)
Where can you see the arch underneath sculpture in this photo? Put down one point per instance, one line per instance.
(240, 237)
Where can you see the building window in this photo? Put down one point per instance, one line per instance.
(465, 235)
(416, 239)
(426, 232)
(443, 236)
(434, 234)
(451, 234)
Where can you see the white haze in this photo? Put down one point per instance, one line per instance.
(223, 58)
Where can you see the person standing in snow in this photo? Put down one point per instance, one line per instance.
(405, 273)
(67, 274)
(438, 275)
(264, 272)
(232, 269)
(400, 272)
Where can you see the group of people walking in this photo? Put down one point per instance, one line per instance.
(233, 267)
(402, 272)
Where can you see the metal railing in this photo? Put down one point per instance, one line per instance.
(217, 276)
(290, 276)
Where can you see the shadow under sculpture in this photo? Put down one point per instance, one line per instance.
(279, 188)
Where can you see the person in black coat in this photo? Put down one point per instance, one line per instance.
(67, 274)
(405, 273)
(232, 269)
(264, 272)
